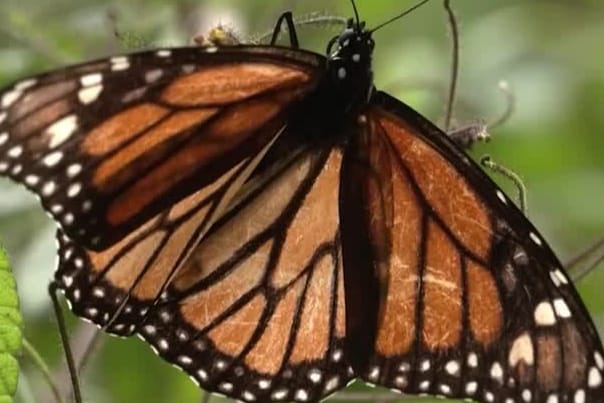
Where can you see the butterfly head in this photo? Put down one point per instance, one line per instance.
(353, 46)
(349, 56)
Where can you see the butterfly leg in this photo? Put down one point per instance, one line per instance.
(53, 289)
(288, 18)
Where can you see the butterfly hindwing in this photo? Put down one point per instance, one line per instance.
(477, 305)
(257, 313)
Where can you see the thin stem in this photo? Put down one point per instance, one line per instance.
(88, 348)
(39, 363)
(53, 290)
(510, 103)
(454, 64)
(85, 341)
(578, 274)
(511, 175)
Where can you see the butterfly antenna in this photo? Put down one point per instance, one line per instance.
(356, 13)
(401, 15)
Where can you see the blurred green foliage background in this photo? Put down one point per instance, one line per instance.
(551, 53)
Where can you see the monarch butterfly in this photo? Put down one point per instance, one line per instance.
(276, 227)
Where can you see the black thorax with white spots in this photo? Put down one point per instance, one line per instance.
(349, 65)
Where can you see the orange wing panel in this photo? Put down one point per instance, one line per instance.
(107, 174)
(125, 271)
(220, 137)
(231, 83)
(224, 243)
(267, 355)
(232, 335)
(340, 322)
(202, 308)
(162, 266)
(100, 260)
(397, 325)
(442, 303)
(318, 215)
(120, 128)
(549, 358)
(486, 313)
(444, 189)
(312, 340)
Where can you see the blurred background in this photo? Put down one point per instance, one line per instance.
(550, 52)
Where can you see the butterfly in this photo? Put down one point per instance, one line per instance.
(274, 225)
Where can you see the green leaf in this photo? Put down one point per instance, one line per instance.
(10, 331)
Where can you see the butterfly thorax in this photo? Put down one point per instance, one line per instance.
(330, 112)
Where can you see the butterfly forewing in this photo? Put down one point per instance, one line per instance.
(476, 304)
(109, 144)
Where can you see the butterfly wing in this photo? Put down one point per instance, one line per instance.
(473, 302)
(116, 286)
(257, 310)
(107, 145)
